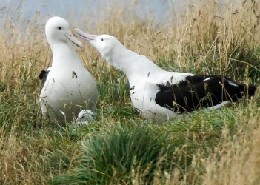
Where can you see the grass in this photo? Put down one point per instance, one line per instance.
(205, 147)
(134, 149)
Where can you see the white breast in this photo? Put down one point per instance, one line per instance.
(68, 93)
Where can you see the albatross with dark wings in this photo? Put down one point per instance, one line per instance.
(159, 94)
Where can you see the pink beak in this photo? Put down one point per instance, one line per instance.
(86, 36)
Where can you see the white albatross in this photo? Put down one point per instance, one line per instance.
(159, 94)
(67, 86)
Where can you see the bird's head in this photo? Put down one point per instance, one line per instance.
(57, 31)
(105, 44)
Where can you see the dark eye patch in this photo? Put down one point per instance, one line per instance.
(102, 39)
(59, 28)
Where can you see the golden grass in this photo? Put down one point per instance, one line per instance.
(237, 160)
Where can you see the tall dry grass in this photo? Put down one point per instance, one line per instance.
(236, 160)
(207, 38)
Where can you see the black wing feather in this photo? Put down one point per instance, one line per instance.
(197, 91)
(43, 76)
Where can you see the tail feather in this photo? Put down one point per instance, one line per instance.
(249, 90)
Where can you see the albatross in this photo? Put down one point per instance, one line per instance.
(160, 95)
(67, 86)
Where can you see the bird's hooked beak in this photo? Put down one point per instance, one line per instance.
(85, 36)
(73, 40)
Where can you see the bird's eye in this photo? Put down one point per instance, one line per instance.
(59, 28)
(102, 39)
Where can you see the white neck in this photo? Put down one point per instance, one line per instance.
(130, 62)
(64, 55)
